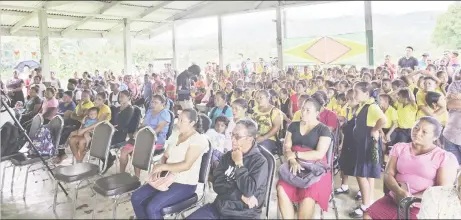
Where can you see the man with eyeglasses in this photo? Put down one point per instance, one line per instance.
(240, 180)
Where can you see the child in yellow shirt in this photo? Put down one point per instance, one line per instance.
(406, 115)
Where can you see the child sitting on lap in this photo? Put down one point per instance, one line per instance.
(217, 138)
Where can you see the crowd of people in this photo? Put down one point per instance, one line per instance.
(399, 122)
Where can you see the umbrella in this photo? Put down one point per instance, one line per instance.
(31, 63)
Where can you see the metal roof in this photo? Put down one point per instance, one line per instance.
(96, 19)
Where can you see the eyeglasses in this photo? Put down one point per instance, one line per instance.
(237, 137)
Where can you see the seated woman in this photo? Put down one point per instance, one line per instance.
(50, 105)
(90, 119)
(79, 142)
(269, 120)
(182, 161)
(307, 140)
(414, 167)
(441, 202)
(32, 105)
(124, 115)
(158, 119)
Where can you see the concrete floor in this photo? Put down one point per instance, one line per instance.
(39, 199)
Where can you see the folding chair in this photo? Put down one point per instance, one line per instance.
(36, 123)
(405, 205)
(270, 179)
(194, 201)
(79, 172)
(55, 126)
(119, 184)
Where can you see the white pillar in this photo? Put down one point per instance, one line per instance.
(279, 37)
(284, 22)
(175, 55)
(220, 47)
(44, 43)
(127, 55)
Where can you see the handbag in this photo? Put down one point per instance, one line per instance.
(312, 173)
(163, 183)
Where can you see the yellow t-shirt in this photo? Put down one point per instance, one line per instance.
(297, 116)
(391, 116)
(341, 111)
(332, 105)
(85, 106)
(421, 101)
(406, 116)
(374, 112)
(265, 120)
(311, 91)
(441, 118)
(292, 92)
(305, 76)
(105, 110)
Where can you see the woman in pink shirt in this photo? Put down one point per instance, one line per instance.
(413, 168)
(50, 105)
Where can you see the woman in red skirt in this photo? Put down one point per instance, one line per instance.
(307, 140)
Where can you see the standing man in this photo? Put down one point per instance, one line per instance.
(452, 139)
(408, 61)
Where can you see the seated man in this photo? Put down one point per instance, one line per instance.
(240, 180)
(67, 106)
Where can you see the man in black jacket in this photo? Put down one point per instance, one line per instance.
(240, 180)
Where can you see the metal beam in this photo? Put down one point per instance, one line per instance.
(51, 4)
(258, 4)
(369, 33)
(177, 16)
(142, 15)
(220, 45)
(74, 26)
(27, 18)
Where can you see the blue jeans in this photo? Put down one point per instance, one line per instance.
(453, 148)
(207, 211)
(148, 202)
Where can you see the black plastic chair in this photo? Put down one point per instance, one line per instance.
(17, 159)
(270, 179)
(405, 205)
(121, 183)
(130, 129)
(79, 172)
(206, 122)
(171, 125)
(194, 201)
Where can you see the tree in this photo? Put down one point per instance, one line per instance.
(447, 31)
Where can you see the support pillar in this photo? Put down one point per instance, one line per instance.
(220, 47)
(127, 55)
(369, 33)
(175, 55)
(44, 43)
(279, 37)
(284, 24)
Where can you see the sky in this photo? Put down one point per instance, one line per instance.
(205, 26)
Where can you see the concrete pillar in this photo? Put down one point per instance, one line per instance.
(369, 33)
(220, 47)
(279, 37)
(175, 55)
(284, 24)
(127, 55)
(44, 43)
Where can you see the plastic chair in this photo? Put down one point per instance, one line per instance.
(270, 179)
(206, 122)
(194, 201)
(121, 183)
(79, 172)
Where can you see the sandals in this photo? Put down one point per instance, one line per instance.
(340, 190)
(358, 196)
(357, 213)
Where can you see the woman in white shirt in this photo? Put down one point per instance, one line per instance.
(441, 202)
(182, 161)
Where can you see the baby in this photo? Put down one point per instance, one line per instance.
(90, 119)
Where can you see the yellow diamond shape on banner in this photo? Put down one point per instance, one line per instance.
(300, 51)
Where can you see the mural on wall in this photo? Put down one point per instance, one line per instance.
(340, 49)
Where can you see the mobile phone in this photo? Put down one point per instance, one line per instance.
(164, 173)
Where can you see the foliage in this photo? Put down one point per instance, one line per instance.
(448, 28)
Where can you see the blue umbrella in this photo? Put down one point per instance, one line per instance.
(32, 64)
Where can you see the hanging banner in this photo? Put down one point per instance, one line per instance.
(34, 55)
(16, 54)
(335, 49)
